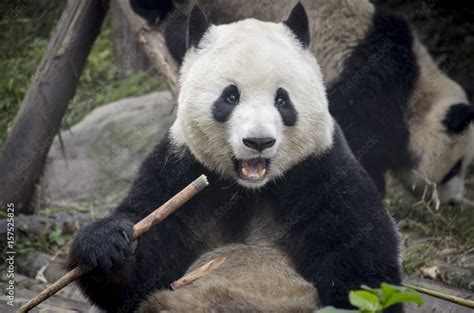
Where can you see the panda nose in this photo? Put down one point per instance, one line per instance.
(259, 144)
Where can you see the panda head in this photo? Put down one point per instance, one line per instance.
(443, 141)
(252, 101)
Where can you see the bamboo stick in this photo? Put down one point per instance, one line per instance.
(198, 273)
(139, 229)
(444, 296)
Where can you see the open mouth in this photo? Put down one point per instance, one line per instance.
(253, 169)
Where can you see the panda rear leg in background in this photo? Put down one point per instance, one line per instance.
(174, 15)
(253, 278)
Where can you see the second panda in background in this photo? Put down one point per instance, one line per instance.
(398, 111)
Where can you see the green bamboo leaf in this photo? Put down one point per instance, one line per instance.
(387, 291)
(364, 300)
(375, 291)
(402, 297)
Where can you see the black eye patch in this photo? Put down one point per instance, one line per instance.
(285, 107)
(458, 118)
(225, 104)
(455, 170)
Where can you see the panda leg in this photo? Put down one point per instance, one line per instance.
(253, 278)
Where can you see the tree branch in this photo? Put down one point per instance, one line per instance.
(155, 47)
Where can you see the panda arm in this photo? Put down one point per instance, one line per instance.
(125, 273)
(347, 262)
(340, 234)
(339, 250)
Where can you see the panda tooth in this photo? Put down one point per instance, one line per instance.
(245, 171)
(262, 172)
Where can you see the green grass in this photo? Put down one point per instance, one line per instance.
(24, 39)
(450, 223)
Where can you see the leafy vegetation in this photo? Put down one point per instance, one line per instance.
(26, 29)
(27, 243)
(376, 300)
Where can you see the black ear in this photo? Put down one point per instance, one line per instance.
(197, 27)
(298, 23)
(459, 117)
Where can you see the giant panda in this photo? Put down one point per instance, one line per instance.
(398, 110)
(298, 218)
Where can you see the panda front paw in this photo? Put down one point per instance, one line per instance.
(102, 244)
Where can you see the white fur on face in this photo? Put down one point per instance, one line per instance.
(257, 57)
(438, 150)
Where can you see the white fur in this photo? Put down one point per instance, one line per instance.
(258, 57)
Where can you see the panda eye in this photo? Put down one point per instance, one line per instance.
(280, 101)
(231, 95)
(232, 98)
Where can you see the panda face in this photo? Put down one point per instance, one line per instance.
(252, 102)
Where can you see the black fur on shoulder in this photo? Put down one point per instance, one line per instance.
(330, 221)
(370, 98)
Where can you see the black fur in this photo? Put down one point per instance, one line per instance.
(333, 225)
(370, 98)
(197, 27)
(221, 109)
(259, 143)
(176, 20)
(175, 36)
(152, 10)
(458, 118)
(453, 172)
(298, 23)
(287, 111)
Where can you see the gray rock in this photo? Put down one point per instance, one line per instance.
(104, 151)
(30, 264)
(31, 224)
(44, 222)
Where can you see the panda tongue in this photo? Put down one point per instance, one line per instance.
(253, 168)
